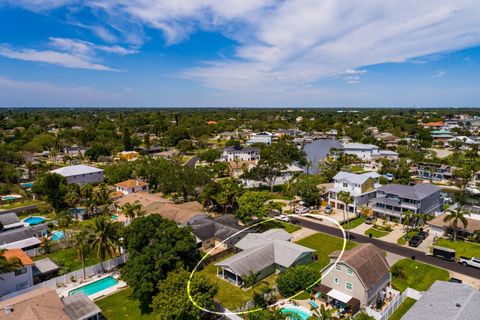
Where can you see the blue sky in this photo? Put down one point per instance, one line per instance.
(298, 53)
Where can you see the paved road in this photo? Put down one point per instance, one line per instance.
(393, 248)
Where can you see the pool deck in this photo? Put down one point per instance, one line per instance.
(63, 292)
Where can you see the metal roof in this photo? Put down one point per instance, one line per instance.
(76, 170)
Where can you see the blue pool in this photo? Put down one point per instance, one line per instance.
(57, 235)
(114, 217)
(34, 220)
(6, 198)
(27, 184)
(96, 286)
(299, 312)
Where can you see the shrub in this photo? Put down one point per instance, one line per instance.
(295, 279)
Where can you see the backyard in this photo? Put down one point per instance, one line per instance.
(121, 306)
(20, 204)
(402, 309)
(463, 248)
(69, 258)
(324, 244)
(416, 275)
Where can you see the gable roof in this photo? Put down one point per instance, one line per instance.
(180, 213)
(131, 183)
(416, 192)
(20, 255)
(18, 238)
(367, 260)
(8, 218)
(359, 146)
(446, 301)
(76, 170)
(355, 178)
(220, 228)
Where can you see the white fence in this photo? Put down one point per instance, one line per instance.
(73, 276)
(394, 304)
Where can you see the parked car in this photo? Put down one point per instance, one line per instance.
(370, 220)
(328, 209)
(455, 280)
(423, 234)
(389, 176)
(283, 217)
(301, 210)
(444, 253)
(472, 262)
(415, 241)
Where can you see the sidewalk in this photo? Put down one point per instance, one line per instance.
(302, 233)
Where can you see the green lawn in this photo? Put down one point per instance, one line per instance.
(416, 275)
(405, 238)
(402, 309)
(70, 259)
(376, 233)
(324, 244)
(121, 306)
(353, 223)
(463, 248)
(279, 225)
(230, 295)
(20, 204)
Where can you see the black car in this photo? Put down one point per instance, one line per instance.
(415, 241)
(423, 234)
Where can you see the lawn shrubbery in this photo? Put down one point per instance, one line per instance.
(296, 279)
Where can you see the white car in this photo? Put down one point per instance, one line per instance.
(283, 217)
(301, 210)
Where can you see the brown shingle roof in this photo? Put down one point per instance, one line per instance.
(367, 260)
(145, 199)
(180, 213)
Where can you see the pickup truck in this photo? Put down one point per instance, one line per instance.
(472, 262)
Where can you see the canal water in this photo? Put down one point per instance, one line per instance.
(318, 150)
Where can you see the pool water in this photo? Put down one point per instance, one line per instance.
(34, 220)
(6, 198)
(57, 235)
(302, 314)
(27, 184)
(114, 217)
(96, 286)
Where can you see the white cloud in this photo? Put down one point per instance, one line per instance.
(439, 74)
(69, 53)
(283, 45)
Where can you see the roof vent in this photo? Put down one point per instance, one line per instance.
(458, 305)
(8, 309)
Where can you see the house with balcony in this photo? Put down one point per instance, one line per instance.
(360, 277)
(393, 200)
(239, 153)
(361, 186)
(433, 171)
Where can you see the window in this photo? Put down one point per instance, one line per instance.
(348, 286)
(345, 185)
(349, 271)
(22, 285)
(20, 271)
(336, 280)
(338, 267)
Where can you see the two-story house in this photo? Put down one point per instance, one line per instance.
(360, 276)
(81, 174)
(261, 137)
(394, 199)
(368, 151)
(131, 186)
(19, 279)
(360, 186)
(239, 153)
(434, 171)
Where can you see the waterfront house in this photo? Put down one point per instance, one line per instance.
(368, 151)
(261, 137)
(239, 153)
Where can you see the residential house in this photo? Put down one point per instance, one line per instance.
(360, 276)
(19, 279)
(183, 214)
(127, 155)
(368, 151)
(446, 301)
(476, 179)
(393, 200)
(143, 198)
(261, 137)
(441, 135)
(466, 142)
(131, 186)
(239, 153)
(237, 168)
(210, 232)
(23, 238)
(440, 228)
(361, 186)
(81, 174)
(283, 178)
(332, 133)
(44, 303)
(437, 125)
(10, 221)
(433, 171)
(263, 254)
(74, 151)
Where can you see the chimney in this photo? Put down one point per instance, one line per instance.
(8, 309)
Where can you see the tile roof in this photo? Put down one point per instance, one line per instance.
(19, 254)
(131, 183)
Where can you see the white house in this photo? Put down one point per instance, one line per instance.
(368, 151)
(131, 186)
(239, 153)
(19, 279)
(261, 137)
(81, 174)
(362, 187)
(282, 179)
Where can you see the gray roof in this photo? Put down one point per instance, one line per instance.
(446, 301)
(16, 235)
(359, 146)
(43, 266)
(241, 149)
(76, 170)
(416, 192)
(220, 228)
(8, 218)
(79, 307)
(263, 250)
(358, 178)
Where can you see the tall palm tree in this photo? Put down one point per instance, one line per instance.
(454, 217)
(81, 242)
(406, 218)
(132, 210)
(8, 265)
(102, 196)
(346, 198)
(104, 239)
(364, 211)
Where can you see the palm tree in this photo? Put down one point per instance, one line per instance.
(346, 198)
(8, 265)
(326, 314)
(81, 242)
(132, 210)
(364, 211)
(454, 217)
(104, 239)
(102, 196)
(406, 218)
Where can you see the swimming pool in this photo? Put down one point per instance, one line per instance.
(96, 286)
(57, 235)
(299, 312)
(12, 197)
(27, 184)
(34, 220)
(114, 217)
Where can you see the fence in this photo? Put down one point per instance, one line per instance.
(73, 276)
(394, 304)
